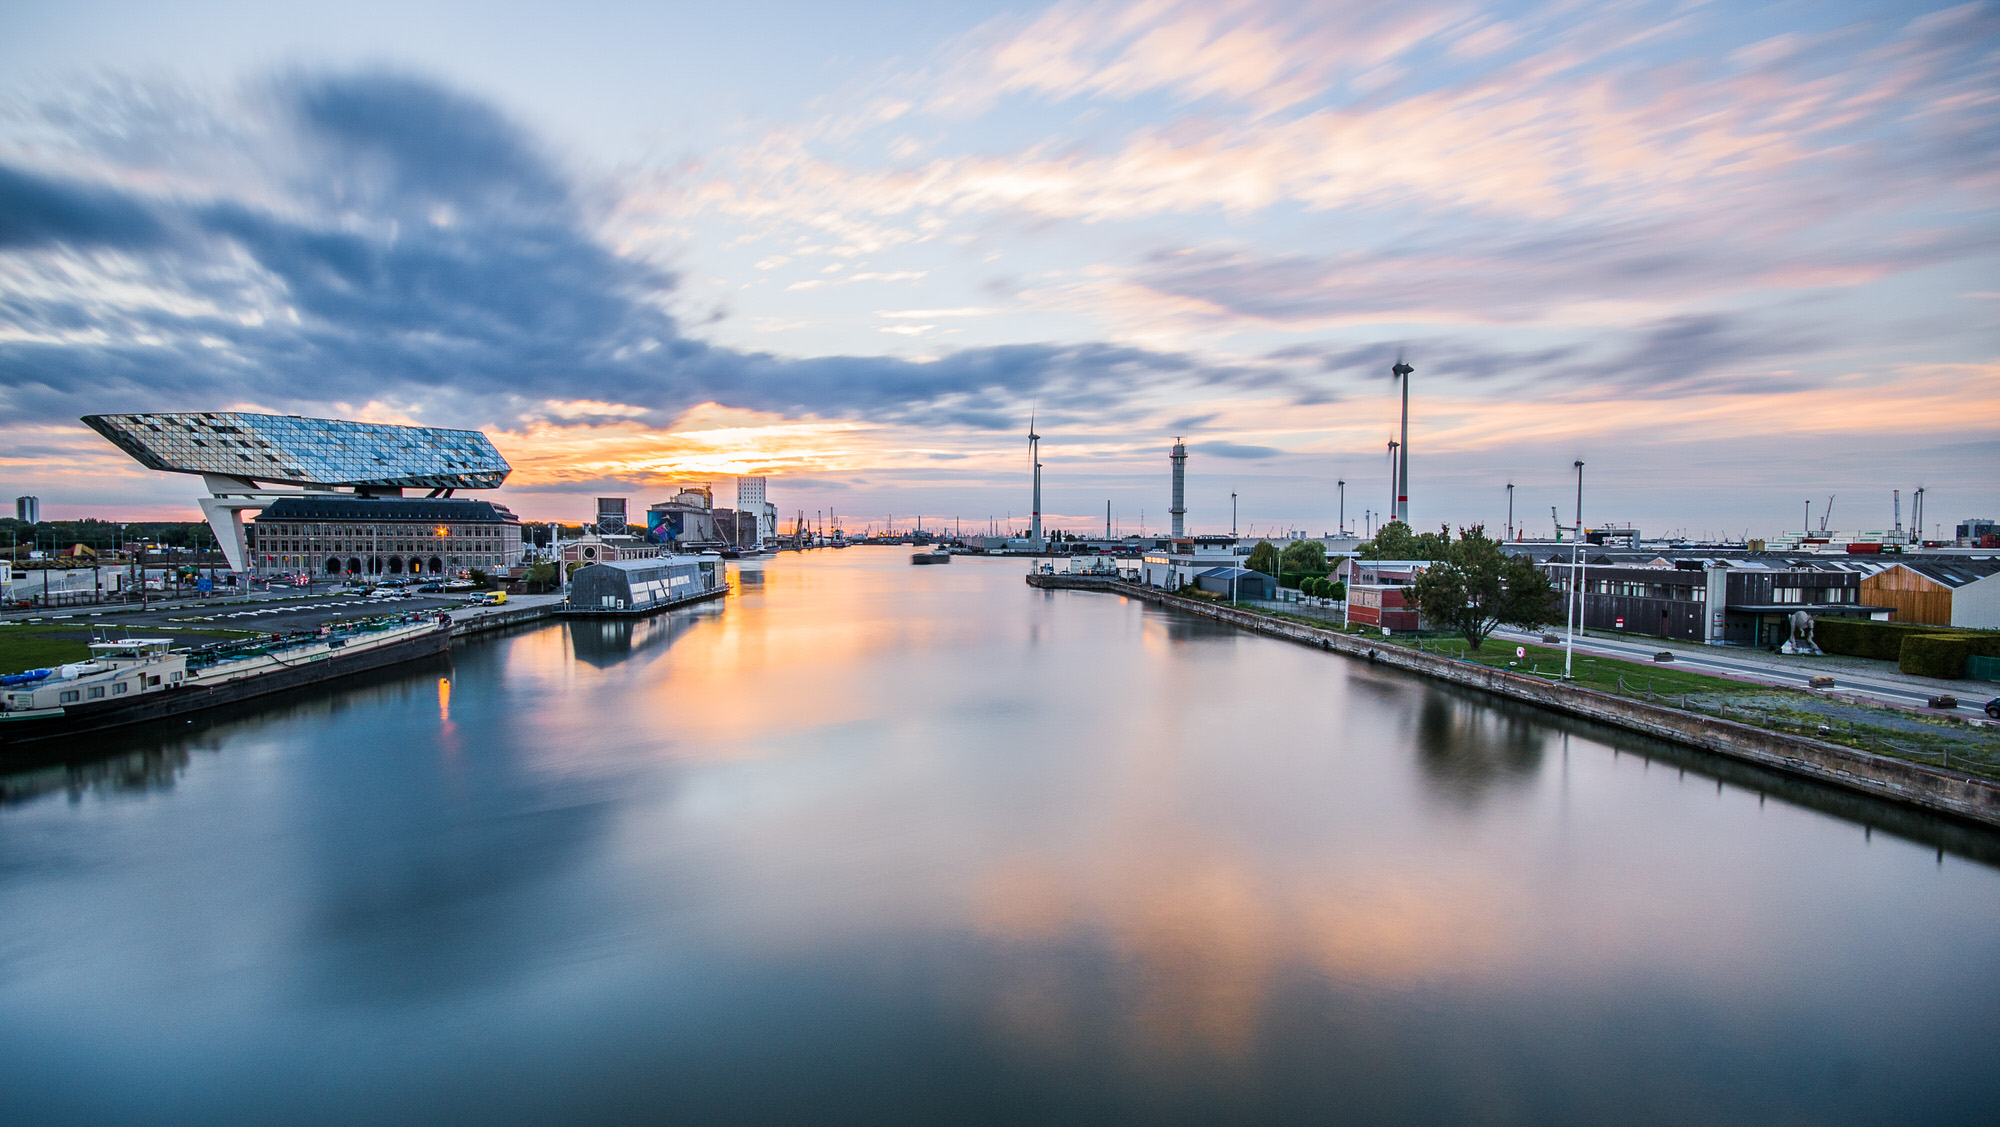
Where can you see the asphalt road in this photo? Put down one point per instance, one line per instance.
(1972, 695)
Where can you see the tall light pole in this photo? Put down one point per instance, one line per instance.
(1035, 458)
(1402, 371)
(1575, 577)
(1343, 506)
(1394, 481)
(1232, 515)
(1510, 510)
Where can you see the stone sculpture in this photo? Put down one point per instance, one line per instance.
(1801, 641)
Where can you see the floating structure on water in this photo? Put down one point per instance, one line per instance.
(140, 679)
(643, 586)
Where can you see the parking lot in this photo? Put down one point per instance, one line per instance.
(273, 613)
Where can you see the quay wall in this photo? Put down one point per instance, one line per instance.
(1897, 780)
(501, 618)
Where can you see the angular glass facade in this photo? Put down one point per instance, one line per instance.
(295, 450)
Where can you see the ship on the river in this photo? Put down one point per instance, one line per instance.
(644, 586)
(133, 680)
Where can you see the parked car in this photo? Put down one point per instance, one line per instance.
(1993, 708)
(431, 589)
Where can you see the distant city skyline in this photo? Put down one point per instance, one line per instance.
(1732, 257)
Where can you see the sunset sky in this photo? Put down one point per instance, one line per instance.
(1732, 256)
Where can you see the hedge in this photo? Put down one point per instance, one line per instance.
(1943, 655)
(1882, 641)
(1934, 655)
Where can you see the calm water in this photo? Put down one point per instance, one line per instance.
(882, 844)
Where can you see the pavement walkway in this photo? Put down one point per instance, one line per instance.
(1877, 681)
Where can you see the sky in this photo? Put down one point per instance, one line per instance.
(1734, 257)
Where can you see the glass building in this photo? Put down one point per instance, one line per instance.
(330, 491)
(294, 450)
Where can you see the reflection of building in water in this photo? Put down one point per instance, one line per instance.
(604, 642)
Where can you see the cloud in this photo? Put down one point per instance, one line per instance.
(1236, 450)
(38, 211)
(429, 259)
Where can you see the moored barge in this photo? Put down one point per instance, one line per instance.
(140, 679)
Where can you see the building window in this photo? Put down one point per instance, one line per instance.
(70, 696)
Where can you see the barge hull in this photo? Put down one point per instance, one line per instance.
(82, 719)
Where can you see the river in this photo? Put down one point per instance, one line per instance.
(871, 843)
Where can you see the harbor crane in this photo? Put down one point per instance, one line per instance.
(1558, 520)
(1829, 511)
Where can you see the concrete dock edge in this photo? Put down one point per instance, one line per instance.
(1896, 780)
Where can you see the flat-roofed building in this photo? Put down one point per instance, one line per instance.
(1378, 592)
(354, 536)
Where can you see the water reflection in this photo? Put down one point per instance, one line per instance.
(871, 843)
(136, 772)
(1469, 747)
(605, 642)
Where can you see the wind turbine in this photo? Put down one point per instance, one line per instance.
(1402, 371)
(1035, 457)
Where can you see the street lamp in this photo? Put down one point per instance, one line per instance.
(1575, 577)
(1343, 506)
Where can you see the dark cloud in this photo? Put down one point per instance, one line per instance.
(1707, 354)
(432, 257)
(1235, 450)
(37, 211)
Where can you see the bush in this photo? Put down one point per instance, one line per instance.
(1882, 641)
(1935, 655)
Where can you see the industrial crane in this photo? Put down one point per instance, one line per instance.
(1557, 519)
(1828, 512)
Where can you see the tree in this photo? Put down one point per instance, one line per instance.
(541, 576)
(1476, 587)
(1307, 557)
(1263, 558)
(1395, 541)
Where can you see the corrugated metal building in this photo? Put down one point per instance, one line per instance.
(642, 586)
